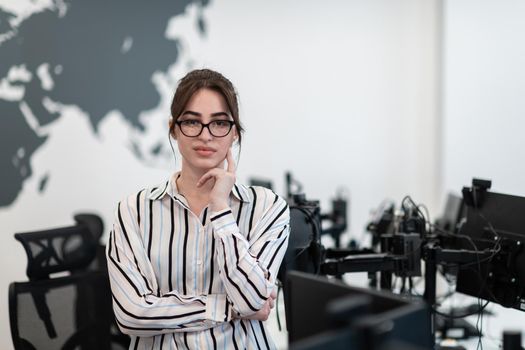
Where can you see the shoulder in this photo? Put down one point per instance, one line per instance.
(138, 198)
(262, 196)
(254, 193)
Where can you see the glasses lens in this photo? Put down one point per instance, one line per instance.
(190, 127)
(220, 128)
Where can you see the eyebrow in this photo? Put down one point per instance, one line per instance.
(197, 114)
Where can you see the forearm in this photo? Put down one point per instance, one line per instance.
(246, 279)
(151, 320)
(140, 312)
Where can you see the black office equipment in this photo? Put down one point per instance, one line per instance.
(255, 181)
(304, 252)
(481, 235)
(68, 312)
(327, 314)
(66, 304)
(512, 340)
(496, 224)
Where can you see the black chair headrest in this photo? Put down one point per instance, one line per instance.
(61, 249)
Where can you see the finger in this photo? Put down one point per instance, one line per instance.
(210, 174)
(272, 303)
(267, 309)
(231, 162)
(204, 179)
(273, 295)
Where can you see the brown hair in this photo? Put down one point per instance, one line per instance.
(209, 79)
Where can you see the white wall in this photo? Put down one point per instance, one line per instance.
(484, 94)
(344, 90)
(341, 93)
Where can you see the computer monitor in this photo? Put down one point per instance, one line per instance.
(328, 314)
(254, 181)
(304, 251)
(495, 222)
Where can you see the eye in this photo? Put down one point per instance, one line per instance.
(222, 123)
(190, 122)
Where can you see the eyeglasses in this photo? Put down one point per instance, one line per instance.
(217, 128)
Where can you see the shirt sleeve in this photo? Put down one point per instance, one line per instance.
(248, 265)
(139, 307)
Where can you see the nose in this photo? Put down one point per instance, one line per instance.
(205, 134)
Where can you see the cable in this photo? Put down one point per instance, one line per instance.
(478, 261)
(495, 250)
(480, 309)
(279, 287)
(408, 205)
(479, 326)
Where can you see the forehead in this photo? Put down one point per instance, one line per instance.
(207, 101)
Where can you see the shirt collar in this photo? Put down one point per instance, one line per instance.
(169, 187)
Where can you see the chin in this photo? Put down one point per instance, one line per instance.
(205, 164)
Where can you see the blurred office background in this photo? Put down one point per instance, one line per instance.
(376, 99)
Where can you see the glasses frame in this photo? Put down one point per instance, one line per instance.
(207, 126)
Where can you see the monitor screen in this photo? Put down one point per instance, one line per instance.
(497, 224)
(326, 312)
(261, 182)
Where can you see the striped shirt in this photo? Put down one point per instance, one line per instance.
(177, 278)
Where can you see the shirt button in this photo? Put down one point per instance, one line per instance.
(199, 262)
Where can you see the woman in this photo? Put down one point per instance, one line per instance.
(192, 262)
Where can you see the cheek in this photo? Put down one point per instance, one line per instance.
(183, 147)
(225, 146)
(222, 153)
(229, 142)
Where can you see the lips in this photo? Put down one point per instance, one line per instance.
(204, 151)
(203, 148)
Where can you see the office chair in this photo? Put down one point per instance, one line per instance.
(72, 310)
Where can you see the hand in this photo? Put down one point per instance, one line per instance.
(273, 296)
(223, 183)
(264, 312)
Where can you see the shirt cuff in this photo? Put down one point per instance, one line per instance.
(223, 222)
(218, 308)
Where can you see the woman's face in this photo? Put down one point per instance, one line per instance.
(205, 151)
